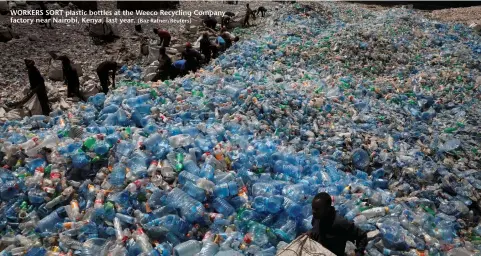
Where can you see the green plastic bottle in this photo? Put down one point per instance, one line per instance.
(89, 143)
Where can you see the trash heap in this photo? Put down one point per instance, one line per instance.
(379, 109)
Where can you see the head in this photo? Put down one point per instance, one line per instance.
(236, 39)
(247, 5)
(188, 45)
(29, 63)
(205, 35)
(156, 31)
(162, 50)
(321, 205)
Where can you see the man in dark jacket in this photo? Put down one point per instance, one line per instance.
(332, 230)
(249, 13)
(164, 37)
(226, 19)
(71, 78)
(210, 22)
(103, 71)
(37, 86)
(205, 46)
(45, 16)
(165, 66)
(192, 58)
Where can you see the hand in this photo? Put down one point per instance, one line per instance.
(359, 252)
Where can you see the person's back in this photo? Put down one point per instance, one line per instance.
(220, 40)
(227, 38)
(204, 44)
(164, 60)
(37, 86)
(210, 22)
(103, 70)
(107, 66)
(332, 230)
(205, 47)
(71, 78)
(178, 68)
(191, 57)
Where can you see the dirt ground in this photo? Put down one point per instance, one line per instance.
(36, 41)
(466, 15)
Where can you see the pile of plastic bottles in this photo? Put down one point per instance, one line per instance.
(227, 161)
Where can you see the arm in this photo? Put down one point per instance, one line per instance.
(113, 78)
(357, 236)
(25, 99)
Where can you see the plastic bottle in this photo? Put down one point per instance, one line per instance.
(188, 248)
(222, 206)
(47, 224)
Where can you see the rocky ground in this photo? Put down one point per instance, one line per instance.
(36, 41)
(467, 15)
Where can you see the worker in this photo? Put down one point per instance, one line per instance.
(215, 50)
(46, 17)
(192, 58)
(249, 13)
(178, 68)
(205, 47)
(70, 76)
(165, 66)
(164, 37)
(227, 37)
(226, 18)
(261, 10)
(103, 71)
(230, 14)
(210, 22)
(221, 43)
(332, 230)
(37, 86)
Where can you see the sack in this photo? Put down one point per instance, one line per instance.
(33, 106)
(102, 31)
(90, 89)
(153, 53)
(16, 114)
(304, 246)
(6, 34)
(55, 72)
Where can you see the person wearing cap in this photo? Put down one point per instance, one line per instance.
(205, 46)
(332, 230)
(37, 86)
(164, 37)
(192, 58)
(103, 71)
